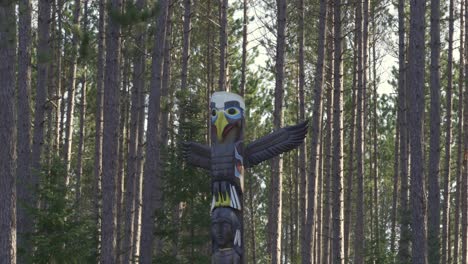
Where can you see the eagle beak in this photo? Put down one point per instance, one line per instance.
(220, 123)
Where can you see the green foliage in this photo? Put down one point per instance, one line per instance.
(61, 235)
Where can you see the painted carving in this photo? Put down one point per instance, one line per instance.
(226, 159)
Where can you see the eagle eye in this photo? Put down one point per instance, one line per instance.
(232, 111)
(213, 112)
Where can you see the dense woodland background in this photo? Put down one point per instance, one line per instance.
(96, 97)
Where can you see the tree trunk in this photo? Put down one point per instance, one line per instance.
(23, 170)
(433, 223)
(350, 164)
(461, 81)
(186, 44)
(223, 40)
(448, 140)
(405, 236)
(327, 175)
(79, 170)
(43, 51)
(337, 161)
(72, 88)
(359, 226)
(110, 144)
(8, 132)
(275, 196)
(244, 48)
(316, 126)
(302, 149)
(151, 178)
(464, 183)
(131, 183)
(415, 124)
(99, 118)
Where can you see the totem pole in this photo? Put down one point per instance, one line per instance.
(226, 159)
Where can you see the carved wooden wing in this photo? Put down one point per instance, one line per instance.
(280, 141)
(197, 155)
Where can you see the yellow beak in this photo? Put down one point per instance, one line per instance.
(220, 123)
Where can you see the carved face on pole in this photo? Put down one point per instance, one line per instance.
(225, 159)
(227, 118)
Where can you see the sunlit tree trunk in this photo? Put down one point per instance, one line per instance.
(72, 88)
(23, 170)
(337, 143)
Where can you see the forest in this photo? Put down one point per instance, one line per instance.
(98, 99)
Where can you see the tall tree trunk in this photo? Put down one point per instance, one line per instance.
(448, 140)
(72, 88)
(415, 124)
(302, 149)
(316, 126)
(186, 44)
(433, 223)
(82, 133)
(81, 146)
(110, 144)
(275, 196)
(396, 170)
(223, 40)
(7, 132)
(244, 48)
(337, 161)
(405, 236)
(23, 170)
(99, 119)
(131, 183)
(464, 183)
(359, 229)
(351, 158)
(327, 175)
(152, 200)
(461, 81)
(124, 106)
(43, 51)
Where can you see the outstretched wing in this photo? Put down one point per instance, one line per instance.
(280, 141)
(197, 155)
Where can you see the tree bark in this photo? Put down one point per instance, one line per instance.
(244, 48)
(405, 236)
(433, 224)
(99, 118)
(445, 257)
(7, 133)
(359, 226)
(186, 43)
(110, 144)
(131, 183)
(415, 124)
(81, 146)
(23, 170)
(316, 125)
(464, 183)
(275, 196)
(327, 175)
(72, 88)
(461, 81)
(223, 41)
(151, 178)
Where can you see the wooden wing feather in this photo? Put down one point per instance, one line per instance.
(269, 146)
(197, 155)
